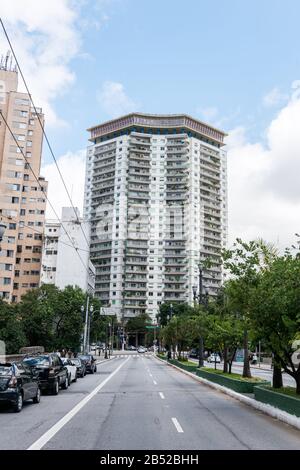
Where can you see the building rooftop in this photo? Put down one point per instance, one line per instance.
(148, 123)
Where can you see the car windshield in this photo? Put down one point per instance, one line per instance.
(77, 362)
(38, 361)
(64, 360)
(5, 370)
(85, 358)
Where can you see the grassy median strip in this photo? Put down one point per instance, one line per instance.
(232, 375)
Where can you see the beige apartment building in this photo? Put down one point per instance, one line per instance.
(22, 201)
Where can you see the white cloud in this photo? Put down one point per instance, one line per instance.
(263, 181)
(274, 97)
(72, 167)
(114, 100)
(45, 40)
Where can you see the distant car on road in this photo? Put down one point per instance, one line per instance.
(194, 353)
(72, 369)
(215, 358)
(80, 367)
(18, 383)
(89, 362)
(141, 349)
(52, 373)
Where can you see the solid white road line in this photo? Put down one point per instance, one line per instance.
(177, 425)
(155, 383)
(40, 443)
(161, 395)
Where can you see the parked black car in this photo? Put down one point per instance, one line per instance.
(80, 366)
(51, 372)
(89, 362)
(18, 383)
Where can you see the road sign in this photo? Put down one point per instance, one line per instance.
(152, 327)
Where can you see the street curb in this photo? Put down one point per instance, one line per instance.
(269, 410)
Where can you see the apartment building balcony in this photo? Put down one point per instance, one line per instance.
(135, 271)
(175, 297)
(174, 290)
(137, 236)
(134, 148)
(177, 197)
(136, 263)
(138, 164)
(135, 289)
(104, 162)
(135, 278)
(104, 149)
(177, 166)
(136, 252)
(169, 253)
(128, 310)
(140, 156)
(104, 178)
(214, 179)
(141, 142)
(173, 281)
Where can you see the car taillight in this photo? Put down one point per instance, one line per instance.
(13, 382)
(51, 372)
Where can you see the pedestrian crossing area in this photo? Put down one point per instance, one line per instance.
(134, 356)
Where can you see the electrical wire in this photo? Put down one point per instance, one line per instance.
(43, 129)
(10, 218)
(43, 190)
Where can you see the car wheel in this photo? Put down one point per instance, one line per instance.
(37, 398)
(69, 380)
(75, 380)
(82, 374)
(65, 386)
(96, 369)
(18, 405)
(55, 388)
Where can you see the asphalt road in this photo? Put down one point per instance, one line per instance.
(138, 402)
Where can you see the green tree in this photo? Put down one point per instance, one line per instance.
(11, 330)
(37, 312)
(275, 311)
(244, 262)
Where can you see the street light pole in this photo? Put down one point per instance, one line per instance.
(86, 324)
(200, 302)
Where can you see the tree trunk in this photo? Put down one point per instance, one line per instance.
(277, 374)
(277, 377)
(246, 368)
(298, 384)
(225, 367)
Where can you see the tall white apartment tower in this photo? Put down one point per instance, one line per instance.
(156, 197)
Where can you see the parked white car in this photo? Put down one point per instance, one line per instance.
(72, 369)
(214, 358)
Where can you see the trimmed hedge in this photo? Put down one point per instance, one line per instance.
(282, 401)
(240, 386)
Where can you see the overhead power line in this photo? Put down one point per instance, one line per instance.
(43, 130)
(43, 190)
(13, 219)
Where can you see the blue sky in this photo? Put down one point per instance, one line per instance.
(232, 63)
(173, 56)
